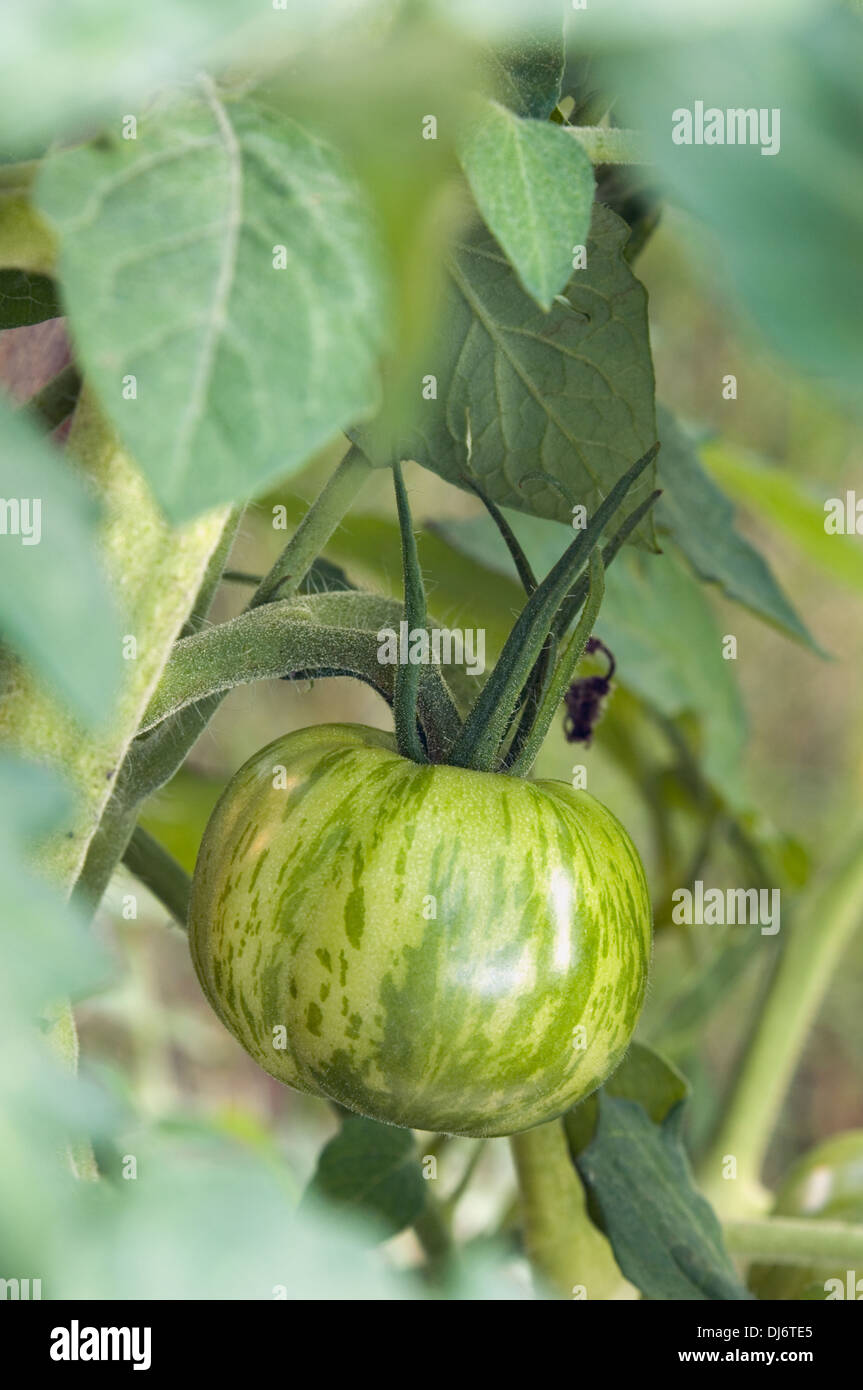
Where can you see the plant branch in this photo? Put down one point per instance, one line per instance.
(327, 634)
(565, 1249)
(159, 871)
(315, 529)
(151, 761)
(796, 1241)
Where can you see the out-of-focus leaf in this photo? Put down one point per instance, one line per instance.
(700, 519)
(565, 396)
(221, 359)
(656, 619)
(787, 224)
(528, 76)
(621, 21)
(780, 500)
(534, 186)
(26, 242)
(372, 1169)
(26, 299)
(56, 608)
(67, 66)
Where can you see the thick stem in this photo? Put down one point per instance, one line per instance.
(569, 1256)
(825, 924)
(796, 1241)
(433, 1232)
(150, 764)
(315, 529)
(160, 872)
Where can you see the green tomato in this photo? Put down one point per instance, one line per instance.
(429, 946)
(826, 1182)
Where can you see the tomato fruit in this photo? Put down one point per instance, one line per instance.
(430, 946)
(826, 1182)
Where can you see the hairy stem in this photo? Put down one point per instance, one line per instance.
(315, 529)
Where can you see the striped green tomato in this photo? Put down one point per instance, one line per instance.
(427, 945)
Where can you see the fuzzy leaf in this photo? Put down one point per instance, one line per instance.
(568, 394)
(534, 186)
(172, 275)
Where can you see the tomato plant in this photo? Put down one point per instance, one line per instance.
(416, 583)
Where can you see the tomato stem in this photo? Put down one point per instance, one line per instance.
(796, 1241)
(566, 1251)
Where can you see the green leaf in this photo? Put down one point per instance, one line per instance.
(56, 608)
(658, 622)
(567, 395)
(626, 1143)
(241, 370)
(642, 1076)
(534, 186)
(700, 519)
(781, 500)
(26, 299)
(529, 75)
(664, 1234)
(372, 1168)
